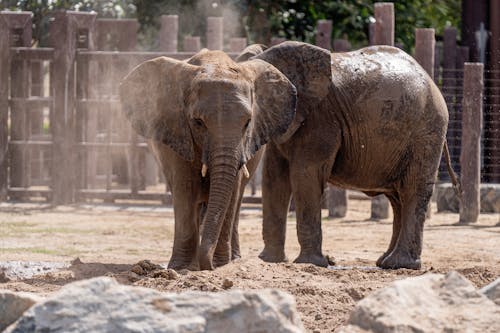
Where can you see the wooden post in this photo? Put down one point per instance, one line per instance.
(116, 34)
(425, 44)
(215, 38)
(68, 31)
(438, 50)
(384, 24)
(237, 44)
(371, 33)
(277, 40)
(470, 157)
(15, 30)
(336, 201)
(169, 33)
(341, 45)
(324, 34)
(192, 44)
(383, 34)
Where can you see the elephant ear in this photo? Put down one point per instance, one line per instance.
(152, 97)
(250, 51)
(273, 107)
(308, 67)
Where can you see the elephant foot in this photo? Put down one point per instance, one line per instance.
(381, 258)
(206, 262)
(270, 254)
(179, 263)
(235, 254)
(399, 259)
(220, 261)
(315, 259)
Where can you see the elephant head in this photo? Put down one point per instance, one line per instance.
(214, 109)
(309, 69)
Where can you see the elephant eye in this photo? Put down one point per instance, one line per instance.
(198, 122)
(247, 123)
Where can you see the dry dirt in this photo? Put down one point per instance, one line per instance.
(34, 239)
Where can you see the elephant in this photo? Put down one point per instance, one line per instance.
(370, 120)
(207, 120)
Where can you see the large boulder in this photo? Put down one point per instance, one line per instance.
(13, 305)
(428, 303)
(492, 291)
(103, 305)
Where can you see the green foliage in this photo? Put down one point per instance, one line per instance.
(42, 9)
(296, 20)
(258, 20)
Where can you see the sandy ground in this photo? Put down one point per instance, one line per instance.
(35, 239)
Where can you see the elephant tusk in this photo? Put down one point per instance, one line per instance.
(204, 170)
(245, 171)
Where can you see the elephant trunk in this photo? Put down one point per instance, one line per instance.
(223, 166)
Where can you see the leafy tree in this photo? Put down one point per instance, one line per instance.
(42, 11)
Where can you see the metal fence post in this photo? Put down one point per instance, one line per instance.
(470, 157)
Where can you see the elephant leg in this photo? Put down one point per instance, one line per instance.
(415, 193)
(235, 238)
(186, 232)
(308, 187)
(396, 224)
(276, 193)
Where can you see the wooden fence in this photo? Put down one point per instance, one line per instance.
(62, 135)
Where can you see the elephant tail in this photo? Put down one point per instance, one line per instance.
(454, 179)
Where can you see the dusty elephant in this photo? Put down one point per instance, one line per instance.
(206, 119)
(370, 120)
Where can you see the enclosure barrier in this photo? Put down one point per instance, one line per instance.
(71, 143)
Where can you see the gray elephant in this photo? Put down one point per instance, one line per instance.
(370, 120)
(206, 119)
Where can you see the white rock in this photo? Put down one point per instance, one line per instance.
(428, 303)
(103, 305)
(13, 305)
(492, 291)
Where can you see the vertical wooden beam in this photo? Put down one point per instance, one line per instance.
(470, 157)
(192, 43)
(15, 29)
(384, 23)
(215, 38)
(324, 34)
(341, 45)
(336, 202)
(237, 44)
(425, 44)
(169, 33)
(68, 31)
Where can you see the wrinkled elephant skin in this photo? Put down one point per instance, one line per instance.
(206, 120)
(370, 120)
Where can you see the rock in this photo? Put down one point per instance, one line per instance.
(227, 284)
(103, 305)
(13, 305)
(492, 291)
(428, 303)
(489, 197)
